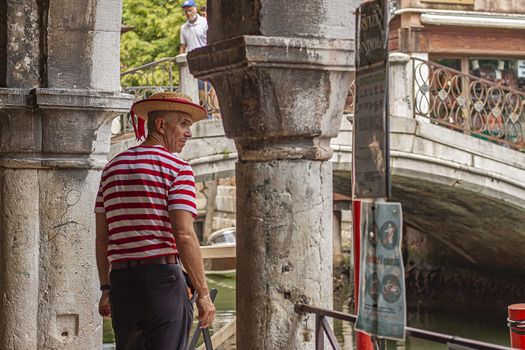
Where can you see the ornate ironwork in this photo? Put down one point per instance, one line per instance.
(159, 76)
(144, 81)
(469, 104)
(350, 99)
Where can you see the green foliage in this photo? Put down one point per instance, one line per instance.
(156, 32)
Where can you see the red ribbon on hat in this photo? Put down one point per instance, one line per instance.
(138, 126)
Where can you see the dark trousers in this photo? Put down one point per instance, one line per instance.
(150, 308)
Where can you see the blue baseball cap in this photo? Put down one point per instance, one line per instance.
(188, 3)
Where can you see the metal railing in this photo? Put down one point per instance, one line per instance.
(445, 96)
(322, 329)
(160, 76)
(350, 98)
(144, 81)
(464, 102)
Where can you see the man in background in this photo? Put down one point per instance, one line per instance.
(193, 32)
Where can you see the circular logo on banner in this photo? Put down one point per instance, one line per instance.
(390, 288)
(389, 235)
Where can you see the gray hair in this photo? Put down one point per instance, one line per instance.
(154, 115)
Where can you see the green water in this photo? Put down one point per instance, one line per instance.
(107, 332)
(488, 326)
(460, 324)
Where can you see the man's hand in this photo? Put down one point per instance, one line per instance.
(104, 308)
(190, 254)
(101, 249)
(206, 311)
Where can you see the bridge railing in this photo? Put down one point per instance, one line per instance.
(144, 81)
(167, 74)
(423, 90)
(323, 329)
(472, 105)
(350, 99)
(161, 75)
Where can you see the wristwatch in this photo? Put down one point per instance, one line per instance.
(104, 287)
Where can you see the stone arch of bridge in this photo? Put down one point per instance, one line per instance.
(436, 173)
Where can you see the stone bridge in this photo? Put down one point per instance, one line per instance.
(466, 193)
(463, 196)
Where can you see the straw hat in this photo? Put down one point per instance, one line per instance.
(164, 101)
(168, 101)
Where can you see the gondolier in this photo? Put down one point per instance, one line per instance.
(145, 209)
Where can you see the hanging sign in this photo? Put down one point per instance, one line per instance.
(370, 174)
(382, 302)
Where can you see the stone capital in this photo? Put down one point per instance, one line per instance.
(43, 98)
(273, 52)
(92, 100)
(57, 128)
(280, 98)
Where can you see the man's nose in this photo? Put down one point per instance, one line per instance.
(188, 133)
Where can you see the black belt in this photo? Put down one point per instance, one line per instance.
(130, 264)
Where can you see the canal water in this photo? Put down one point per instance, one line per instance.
(484, 325)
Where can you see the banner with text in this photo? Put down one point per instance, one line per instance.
(370, 175)
(382, 302)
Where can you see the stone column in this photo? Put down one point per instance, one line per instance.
(188, 84)
(401, 76)
(281, 71)
(58, 93)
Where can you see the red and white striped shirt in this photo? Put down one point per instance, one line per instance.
(137, 190)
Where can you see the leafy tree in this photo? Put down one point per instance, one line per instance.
(155, 35)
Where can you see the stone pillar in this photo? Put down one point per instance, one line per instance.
(58, 93)
(188, 84)
(281, 71)
(401, 76)
(211, 195)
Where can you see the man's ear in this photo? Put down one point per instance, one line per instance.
(160, 125)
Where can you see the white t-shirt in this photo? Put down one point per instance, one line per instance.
(193, 35)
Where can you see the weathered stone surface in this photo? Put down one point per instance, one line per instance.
(225, 201)
(26, 142)
(61, 109)
(52, 145)
(3, 42)
(68, 315)
(295, 18)
(188, 84)
(401, 76)
(290, 93)
(284, 250)
(19, 258)
(281, 88)
(35, 121)
(82, 41)
(20, 39)
(54, 139)
(281, 71)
